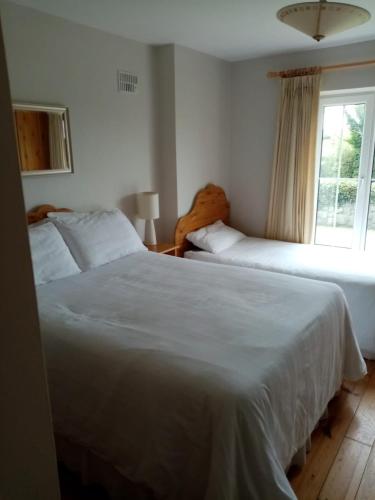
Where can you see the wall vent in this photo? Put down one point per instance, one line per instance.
(127, 82)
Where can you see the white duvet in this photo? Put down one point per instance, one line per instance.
(353, 271)
(200, 381)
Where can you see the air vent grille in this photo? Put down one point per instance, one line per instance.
(127, 82)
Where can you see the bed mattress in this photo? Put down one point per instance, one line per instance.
(199, 381)
(353, 271)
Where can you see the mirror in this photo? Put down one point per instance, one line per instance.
(43, 139)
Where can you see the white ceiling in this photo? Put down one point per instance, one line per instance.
(230, 29)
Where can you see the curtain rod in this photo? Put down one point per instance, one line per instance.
(307, 71)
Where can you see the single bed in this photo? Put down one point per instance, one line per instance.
(353, 271)
(198, 381)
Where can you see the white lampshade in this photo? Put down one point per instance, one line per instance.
(321, 19)
(148, 205)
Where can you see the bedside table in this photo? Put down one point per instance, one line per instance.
(167, 248)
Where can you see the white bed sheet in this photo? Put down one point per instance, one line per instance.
(353, 271)
(200, 381)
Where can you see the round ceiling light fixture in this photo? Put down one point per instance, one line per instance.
(321, 19)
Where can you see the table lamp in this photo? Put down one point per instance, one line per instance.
(148, 209)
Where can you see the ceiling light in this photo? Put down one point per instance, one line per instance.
(321, 19)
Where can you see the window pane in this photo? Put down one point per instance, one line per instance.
(370, 234)
(338, 176)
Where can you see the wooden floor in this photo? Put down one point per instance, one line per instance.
(342, 466)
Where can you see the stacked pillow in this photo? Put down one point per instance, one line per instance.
(71, 242)
(50, 256)
(96, 238)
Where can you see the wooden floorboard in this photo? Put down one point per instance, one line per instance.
(346, 472)
(366, 490)
(362, 428)
(341, 466)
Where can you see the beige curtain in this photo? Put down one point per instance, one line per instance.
(290, 216)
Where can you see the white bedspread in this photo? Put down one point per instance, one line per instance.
(198, 380)
(353, 271)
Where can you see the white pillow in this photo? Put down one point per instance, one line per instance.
(50, 255)
(96, 238)
(215, 238)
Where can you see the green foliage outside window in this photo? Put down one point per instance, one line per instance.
(351, 148)
(347, 192)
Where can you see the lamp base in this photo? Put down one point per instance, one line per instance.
(150, 234)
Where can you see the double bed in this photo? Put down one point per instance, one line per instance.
(197, 381)
(353, 271)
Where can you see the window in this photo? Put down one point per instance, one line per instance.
(345, 201)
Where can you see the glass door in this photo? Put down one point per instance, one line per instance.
(346, 130)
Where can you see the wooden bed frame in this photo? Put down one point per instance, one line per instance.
(40, 213)
(210, 205)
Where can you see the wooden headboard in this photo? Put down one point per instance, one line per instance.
(210, 204)
(40, 213)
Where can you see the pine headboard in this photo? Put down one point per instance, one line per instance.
(40, 213)
(210, 204)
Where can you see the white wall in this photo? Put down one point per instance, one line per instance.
(254, 115)
(174, 135)
(166, 141)
(193, 127)
(202, 123)
(55, 61)
(27, 454)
